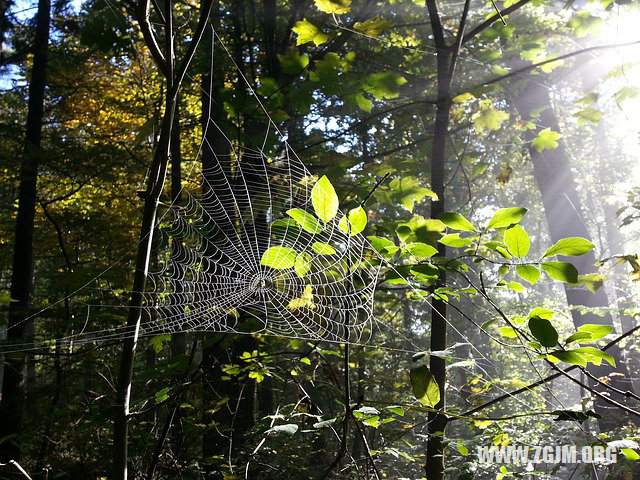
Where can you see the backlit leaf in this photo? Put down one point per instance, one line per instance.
(323, 248)
(506, 216)
(324, 199)
(561, 271)
(454, 240)
(546, 140)
(302, 264)
(488, 118)
(308, 32)
(517, 240)
(308, 222)
(333, 6)
(372, 27)
(421, 250)
(354, 222)
(572, 246)
(456, 221)
(279, 258)
(424, 386)
(383, 84)
(528, 273)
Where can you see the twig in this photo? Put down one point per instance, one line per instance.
(499, 13)
(16, 465)
(542, 381)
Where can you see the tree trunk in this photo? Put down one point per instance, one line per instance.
(155, 185)
(13, 394)
(434, 466)
(446, 56)
(562, 206)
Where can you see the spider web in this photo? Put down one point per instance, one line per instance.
(213, 276)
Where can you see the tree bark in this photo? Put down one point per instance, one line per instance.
(446, 58)
(434, 465)
(13, 387)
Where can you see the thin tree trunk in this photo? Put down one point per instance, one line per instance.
(155, 184)
(446, 56)
(13, 394)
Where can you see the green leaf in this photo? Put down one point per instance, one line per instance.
(488, 118)
(595, 355)
(308, 222)
(354, 222)
(544, 331)
(396, 409)
(408, 190)
(279, 258)
(157, 342)
(506, 217)
(517, 240)
(331, 6)
(516, 287)
(324, 199)
(626, 93)
(528, 273)
(424, 386)
(5, 298)
(546, 140)
(462, 448)
(561, 271)
(383, 84)
(595, 330)
(456, 221)
(363, 102)
(372, 27)
(584, 23)
(499, 70)
(302, 264)
(454, 240)
(323, 248)
(541, 312)
(421, 250)
(578, 337)
(308, 32)
(588, 115)
(508, 332)
(630, 454)
(568, 356)
(162, 395)
(292, 62)
(403, 232)
(572, 246)
(591, 281)
(380, 244)
(463, 98)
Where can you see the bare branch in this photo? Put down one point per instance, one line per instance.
(142, 14)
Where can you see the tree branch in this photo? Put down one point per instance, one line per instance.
(542, 381)
(436, 25)
(142, 14)
(193, 45)
(489, 21)
(533, 66)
